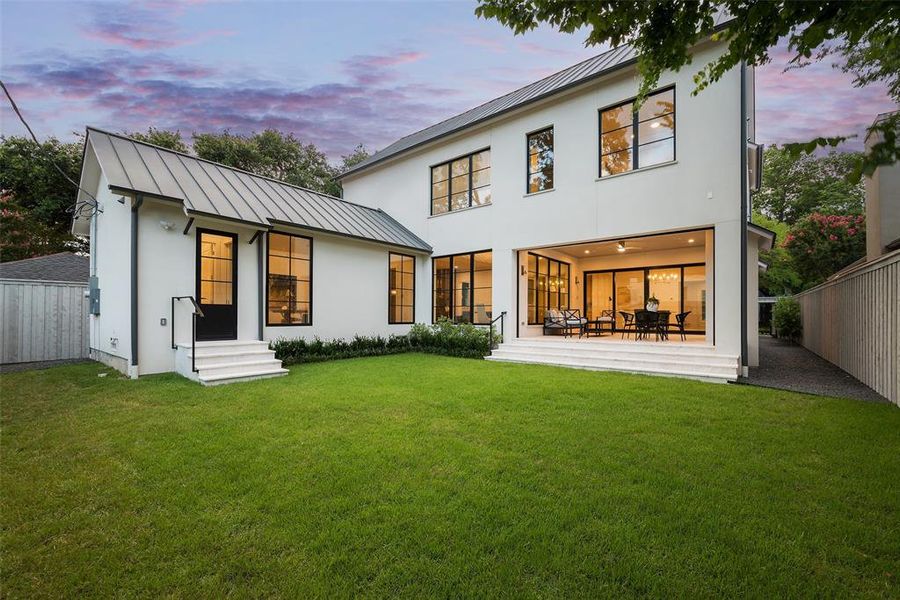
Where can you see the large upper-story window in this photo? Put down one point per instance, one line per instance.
(462, 287)
(289, 289)
(632, 139)
(540, 160)
(461, 183)
(401, 288)
(548, 286)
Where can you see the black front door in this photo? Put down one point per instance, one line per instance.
(217, 285)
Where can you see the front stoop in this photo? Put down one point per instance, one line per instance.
(694, 361)
(228, 361)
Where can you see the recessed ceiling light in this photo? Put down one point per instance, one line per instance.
(654, 125)
(691, 241)
(587, 251)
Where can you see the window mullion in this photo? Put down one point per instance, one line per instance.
(470, 178)
(635, 129)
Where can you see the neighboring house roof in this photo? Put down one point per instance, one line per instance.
(63, 266)
(208, 188)
(585, 71)
(766, 236)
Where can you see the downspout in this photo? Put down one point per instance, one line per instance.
(261, 290)
(134, 280)
(743, 222)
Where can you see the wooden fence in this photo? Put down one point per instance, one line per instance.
(853, 321)
(42, 320)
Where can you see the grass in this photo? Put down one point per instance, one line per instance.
(417, 475)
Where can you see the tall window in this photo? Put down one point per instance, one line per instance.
(461, 183)
(401, 288)
(462, 288)
(548, 286)
(289, 289)
(540, 160)
(632, 139)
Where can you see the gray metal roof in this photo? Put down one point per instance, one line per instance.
(208, 188)
(62, 266)
(592, 68)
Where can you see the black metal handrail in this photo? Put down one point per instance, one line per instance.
(491, 331)
(198, 312)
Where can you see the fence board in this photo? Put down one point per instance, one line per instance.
(853, 321)
(43, 320)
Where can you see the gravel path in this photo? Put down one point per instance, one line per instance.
(34, 366)
(792, 367)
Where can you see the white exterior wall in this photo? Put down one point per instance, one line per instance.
(700, 189)
(110, 246)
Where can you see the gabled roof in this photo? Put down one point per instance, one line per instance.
(62, 266)
(212, 189)
(587, 70)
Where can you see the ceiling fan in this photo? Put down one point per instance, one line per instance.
(621, 247)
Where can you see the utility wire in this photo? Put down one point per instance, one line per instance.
(79, 206)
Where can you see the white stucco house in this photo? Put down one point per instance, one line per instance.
(556, 196)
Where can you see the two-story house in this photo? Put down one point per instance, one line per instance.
(561, 195)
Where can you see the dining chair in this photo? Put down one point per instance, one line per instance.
(679, 323)
(627, 322)
(662, 323)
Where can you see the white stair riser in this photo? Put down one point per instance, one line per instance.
(620, 354)
(206, 348)
(626, 365)
(239, 368)
(247, 377)
(716, 374)
(233, 359)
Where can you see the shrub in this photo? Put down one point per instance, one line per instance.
(786, 318)
(444, 337)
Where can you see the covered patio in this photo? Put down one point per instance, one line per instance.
(655, 288)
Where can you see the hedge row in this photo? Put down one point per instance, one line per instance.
(444, 337)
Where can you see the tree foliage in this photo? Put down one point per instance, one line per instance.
(863, 36)
(820, 245)
(780, 277)
(35, 217)
(162, 138)
(272, 154)
(794, 186)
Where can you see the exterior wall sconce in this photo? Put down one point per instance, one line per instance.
(522, 269)
(167, 225)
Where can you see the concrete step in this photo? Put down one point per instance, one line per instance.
(212, 348)
(711, 375)
(683, 356)
(664, 358)
(239, 367)
(227, 358)
(244, 376)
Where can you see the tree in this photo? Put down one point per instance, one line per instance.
(820, 245)
(359, 154)
(794, 186)
(35, 216)
(163, 138)
(863, 36)
(271, 154)
(780, 277)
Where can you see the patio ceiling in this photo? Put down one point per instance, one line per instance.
(653, 243)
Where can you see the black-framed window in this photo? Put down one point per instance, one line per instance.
(632, 139)
(462, 287)
(289, 279)
(461, 183)
(549, 281)
(540, 160)
(401, 289)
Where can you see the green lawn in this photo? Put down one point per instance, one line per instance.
(421, 475)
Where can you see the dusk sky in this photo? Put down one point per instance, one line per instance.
(333, 73)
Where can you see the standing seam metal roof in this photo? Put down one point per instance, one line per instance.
(586, 70)
(205, 187)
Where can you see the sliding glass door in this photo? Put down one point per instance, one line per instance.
(678, 288)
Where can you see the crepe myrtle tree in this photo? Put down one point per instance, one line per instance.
(820, 245)
(863, 37)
